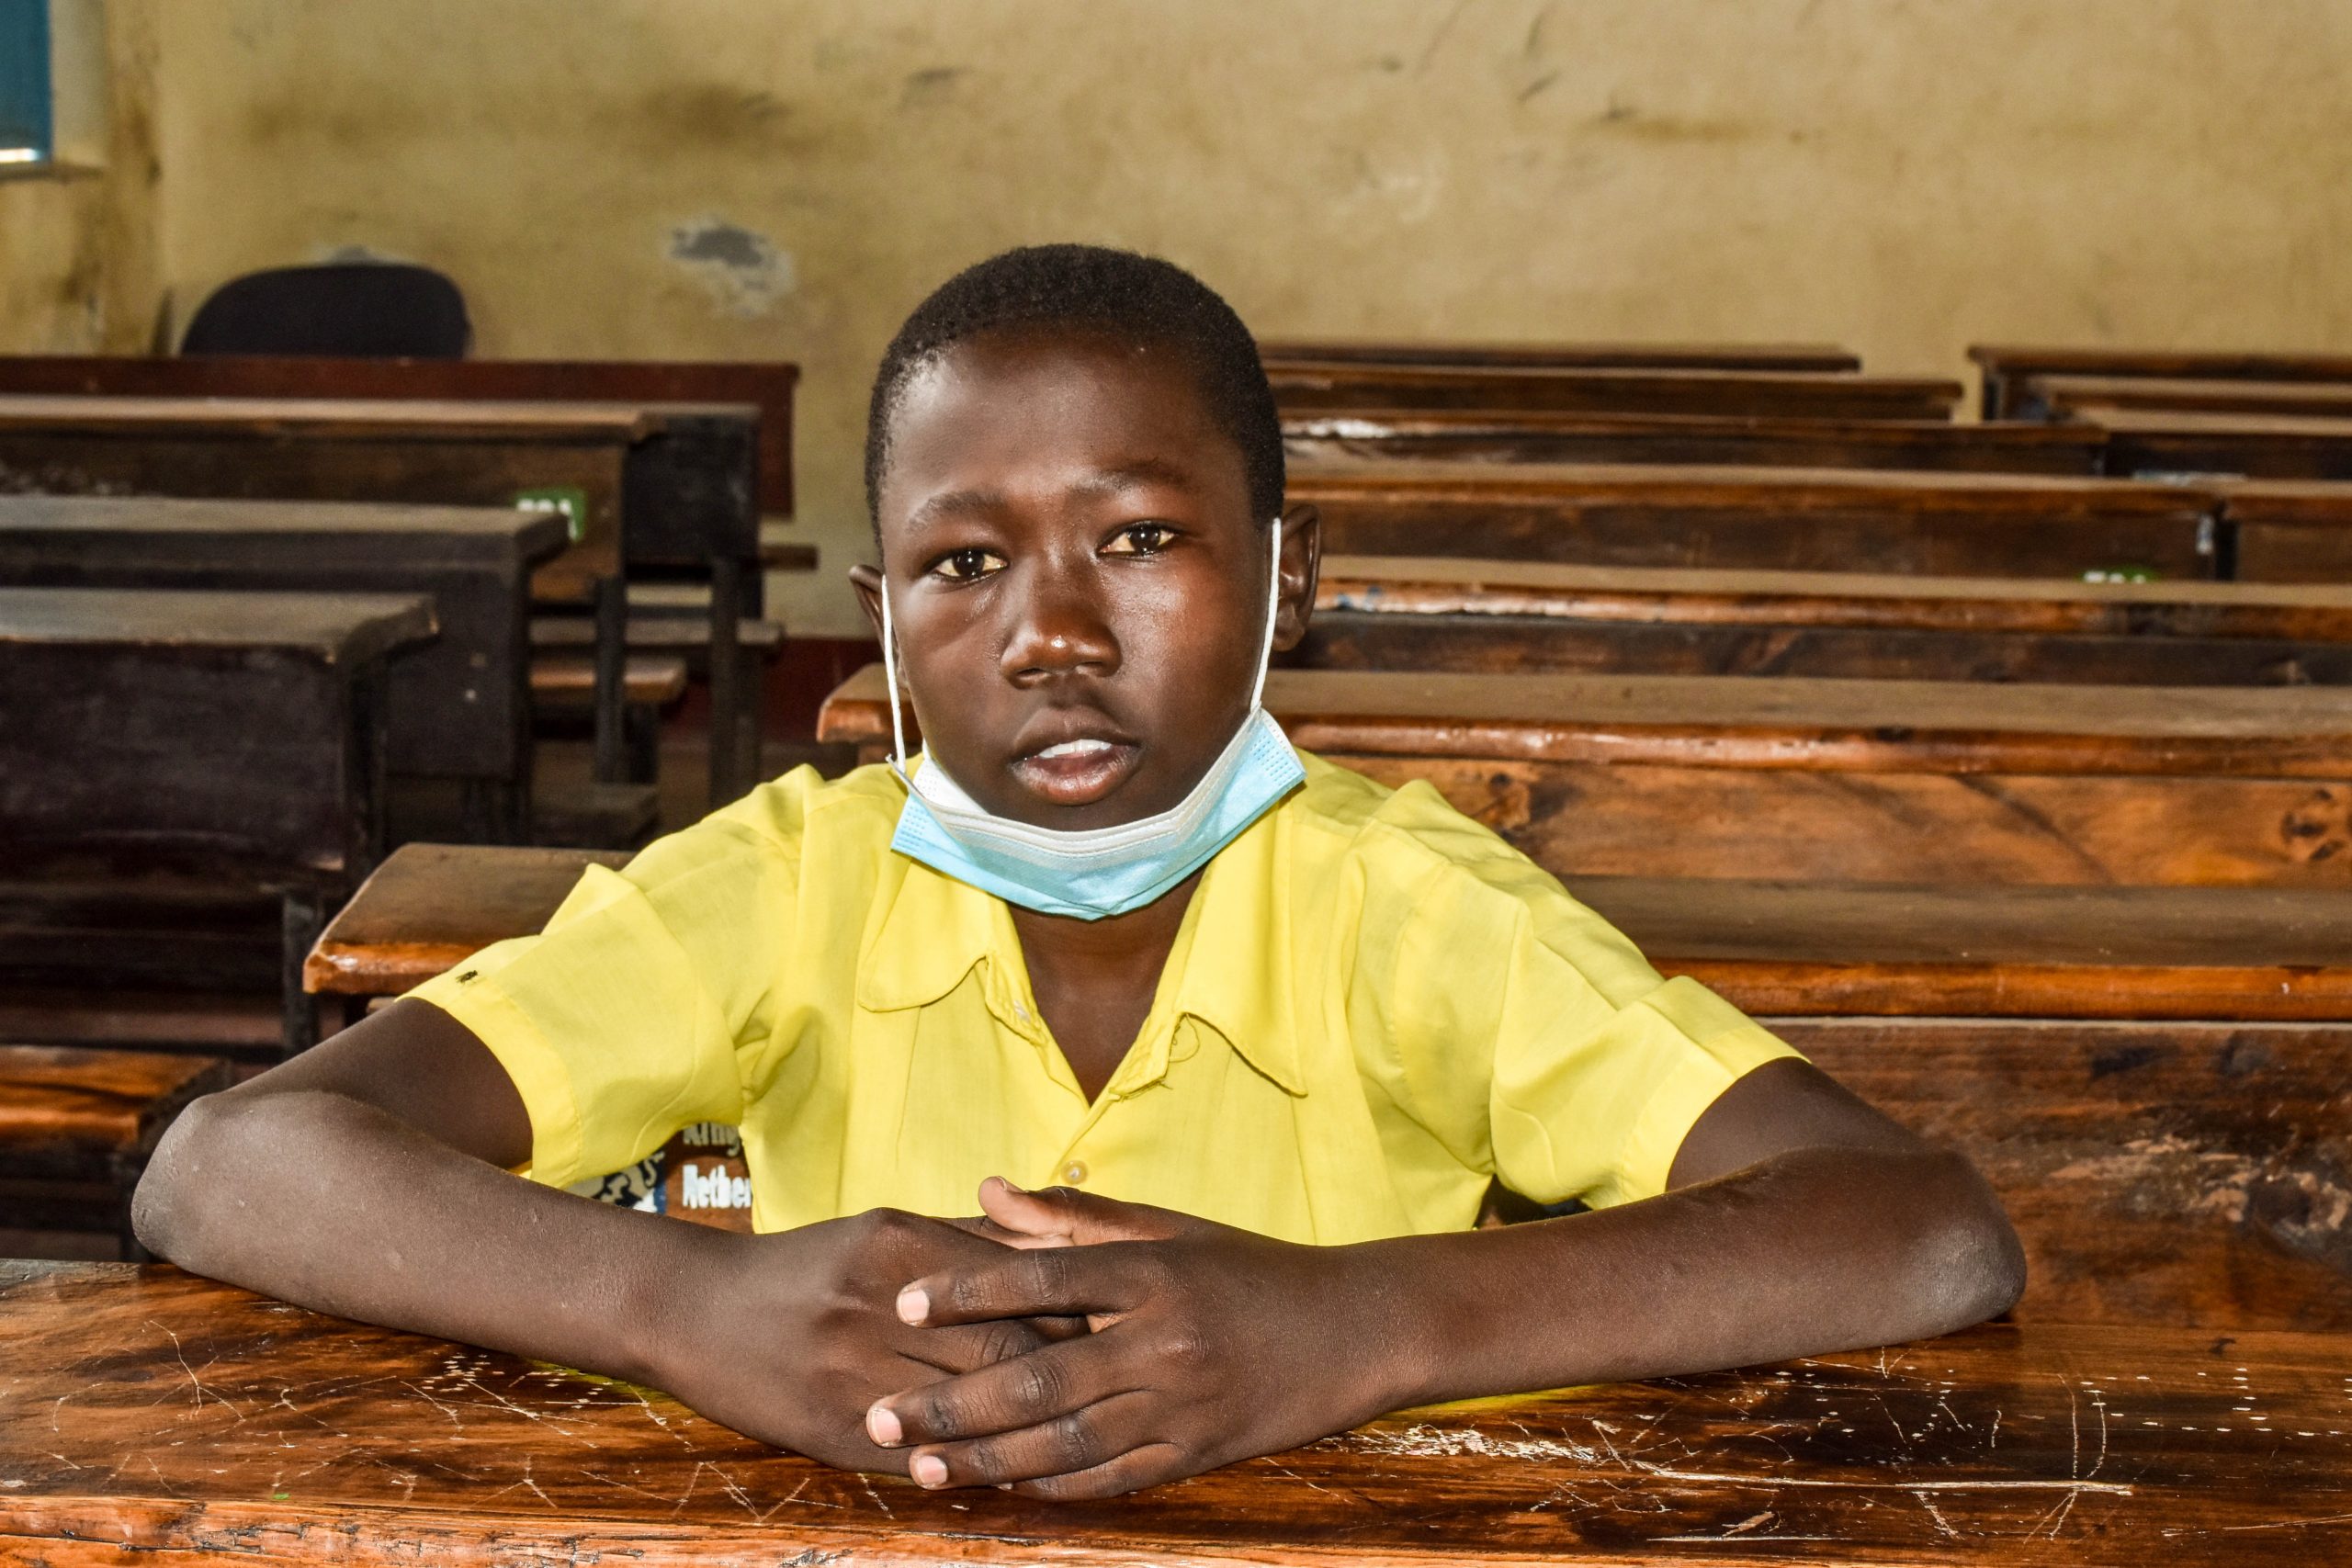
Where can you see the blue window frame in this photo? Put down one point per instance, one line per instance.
(28, 115)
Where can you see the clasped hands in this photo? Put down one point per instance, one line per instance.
(1065, 1346)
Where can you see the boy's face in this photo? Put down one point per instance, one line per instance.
(1077, 583)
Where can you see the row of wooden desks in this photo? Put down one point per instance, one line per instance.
(651, 490)
(144, 1412)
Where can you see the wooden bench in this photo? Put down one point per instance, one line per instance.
(565, 687)
(1302, 386)
(1955, 524)
(71, 1116)
(215, 740)
(1512, 436)
(1838, 780)
(1436, 613)
(1813, 356)
(2152, 1077)
(457, 706)
(660, 489)
(2039, 1443)
(2006, 367)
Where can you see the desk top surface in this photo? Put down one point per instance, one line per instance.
(152, 1409)
(452, 419)
(28, 520)
(1737, 486)
(334, 627)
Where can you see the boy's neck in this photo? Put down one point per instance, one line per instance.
(1094, 980)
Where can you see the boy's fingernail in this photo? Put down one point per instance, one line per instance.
(914, 1305)
(882, 1425)
(1014, 1187)
(929, 1471)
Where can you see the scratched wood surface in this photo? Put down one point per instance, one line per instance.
(1302, 385)
(144, 1412)
(1945, 525)
(1508, 435)
(1444, 614)
(1816, 356)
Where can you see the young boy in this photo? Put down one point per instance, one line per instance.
(1268, 1029)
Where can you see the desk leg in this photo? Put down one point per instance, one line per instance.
(302, 917)
(611, 652)
(726, 779)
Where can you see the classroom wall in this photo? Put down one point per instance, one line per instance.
(786, 177)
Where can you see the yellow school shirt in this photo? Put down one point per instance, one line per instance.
(1374, 1006)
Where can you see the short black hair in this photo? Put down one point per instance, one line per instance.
(1094, 288)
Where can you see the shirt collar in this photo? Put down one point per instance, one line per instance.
(1231, 958)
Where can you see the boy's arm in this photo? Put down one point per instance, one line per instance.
(1799, 1221)
(365, 1178)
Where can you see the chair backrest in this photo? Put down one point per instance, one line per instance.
(368, 309)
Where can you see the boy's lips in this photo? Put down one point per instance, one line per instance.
(1079, 770)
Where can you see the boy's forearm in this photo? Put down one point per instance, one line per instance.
(1808, 1252)
(325, 1201)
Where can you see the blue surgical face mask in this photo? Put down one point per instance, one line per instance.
(1094, 872)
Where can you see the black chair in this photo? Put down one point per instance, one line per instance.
(362, 310)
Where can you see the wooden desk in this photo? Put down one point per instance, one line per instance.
(1301, 386)
(2005, 367)
(1510, 436)
(1956, 524)
(457, 707)
(2089, 397)
(143, 1410)
(1846, 781)
(94, 1117)
(1443, 614)
(227, 739)
(766, 385)
(1813, 356)
(2169, 444)
(662, 489)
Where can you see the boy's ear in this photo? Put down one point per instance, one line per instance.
(1302, 561)
(867, 581)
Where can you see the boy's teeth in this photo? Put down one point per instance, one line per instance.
(1072, 747)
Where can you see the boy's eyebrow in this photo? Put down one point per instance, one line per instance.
(956, 500)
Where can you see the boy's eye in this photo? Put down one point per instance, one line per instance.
(964, 565)
(1141, 539)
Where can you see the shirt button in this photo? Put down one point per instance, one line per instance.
(1074, 1172)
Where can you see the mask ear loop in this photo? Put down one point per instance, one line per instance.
(1274, 609)
(890, 675)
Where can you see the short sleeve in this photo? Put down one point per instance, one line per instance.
(1594, 1065)
(627, 1017)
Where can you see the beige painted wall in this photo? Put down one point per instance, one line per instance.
(786, 177)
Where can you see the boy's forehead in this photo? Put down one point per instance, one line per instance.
(1037, 409)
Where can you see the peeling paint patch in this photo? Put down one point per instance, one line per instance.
(744, 271)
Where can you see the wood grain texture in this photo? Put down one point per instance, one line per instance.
(62, 1103)
(427, 906)
(1439, 613)
(2175, 445)
(767, 385)
(1519, 437)
(154, 1412)
(1323, 386)
(1815, 356)
(2067, 397)
(1948, 524)
(2197, 1174)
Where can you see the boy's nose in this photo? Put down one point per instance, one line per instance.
(1062, 631)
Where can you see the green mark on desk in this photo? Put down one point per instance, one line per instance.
(569, 502)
